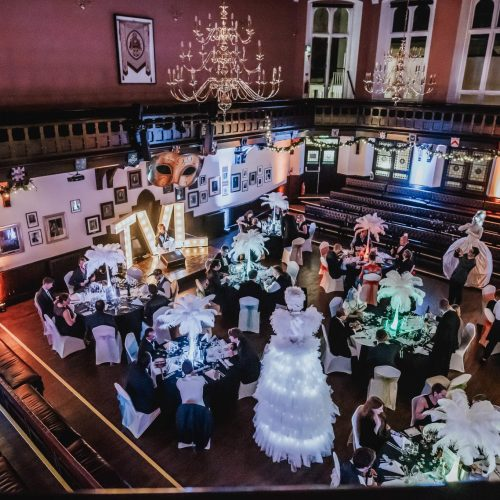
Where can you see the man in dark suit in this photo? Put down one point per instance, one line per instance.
(223, 258)
(139, 385)
(44, 297)
(289, 230)
(247, 361)
(459, 277)
(99, 318)
(153, 304)
(445, 340)
(251, 288)
(334, 263)
(79, 279)
(339, 333)
(149, 345)
(358, 471)
(384, 353)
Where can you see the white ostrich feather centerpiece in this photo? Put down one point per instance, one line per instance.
(247, 243)
(472, 431)
(275, 200)
(400, 288)
(371, 223)
(109, 255)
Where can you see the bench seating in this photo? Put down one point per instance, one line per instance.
(10, 482)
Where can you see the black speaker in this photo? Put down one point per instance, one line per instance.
(174, 259)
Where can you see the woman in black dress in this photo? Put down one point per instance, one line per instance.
(372, 424)
(67, 322)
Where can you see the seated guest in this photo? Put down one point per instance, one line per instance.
(397, 251)
(289, 230)
(44, 297)
(255, 224)
(360, 240)
(191, 385)
(384, 353)
(79, 279)
(334, 262)
(99, 318)
(67, 322)
(339, 333)
(405, 264)
(153, 304)
(247, 361)
(139, 385)
(428, 402)
(163, 284)
(369, 287)
(223, 258)
(372, 425)
(245, 221)
(251, 288)
(278, 284)
(149, 345)
(494, 335)
(162, 239)
(358, 471)
(302, 226)
(493, 302)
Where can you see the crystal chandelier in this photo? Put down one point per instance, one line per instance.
(222, 71)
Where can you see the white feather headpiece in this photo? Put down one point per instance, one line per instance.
(400, 288)
(109, 255)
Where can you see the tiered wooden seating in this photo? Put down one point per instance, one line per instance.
(10, 482)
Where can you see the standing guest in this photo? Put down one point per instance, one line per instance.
(139, 385)
(215, 284)
(153, 304)
(445, 341)
(405, 264)
(79, 279)
(359, 470)
(149, 345)
(99, 318)
(459, 277)
(191, 385)
(384, 353)
(251, 288)
(302, 226)
(494, 335)
(397, 251)
(245, 221)
(67, 322)
(289, 230)
(162, 239)
(428, 402)
(223, 257)
(372, 424)
(339, 333)
(44, 297)
(359, 240)
(247, 360)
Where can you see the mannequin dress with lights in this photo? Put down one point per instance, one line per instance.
(480, 275)
(295, 412)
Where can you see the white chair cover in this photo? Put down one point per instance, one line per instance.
(459, 382)
(488, 293)
(414, 402)
(331, 363)
(307, 246)
(457, 358)
(46, 331)
(369, 288)
(335, 305)
(108, 345)
(323, 251)
(355, 427)
(249, 318)
(131, 347)
(64, 346)
(66, 278)
(285, 256)
(384, 385)
(135, 421)
(247, 390)
(437, 379)
(292, 268)
(329, 284)
(296, 253)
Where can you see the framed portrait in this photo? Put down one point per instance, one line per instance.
(214, 186)
(180, 194)
(75, 206)
(193, 199)
(203, 196)
(244, 173)
(32, 219)
(202, 180)
(55, 227)
(328, 156)
(134, 179)
(225, 174)
(168, 189)
(10, 239)
(260, 181)
(260, 170)
(268, 174)
(252, 178)
(244, 185)
(121, 195)
(135, 48)
(312, 156)
(93, 224)
(107, 210)
(35, 237)
(225, 190)
(235, 183)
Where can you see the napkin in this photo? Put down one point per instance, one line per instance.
(399, 440)
(394, 482)
(136, 302)
(421, 350)
(392, 466)
(211, 374)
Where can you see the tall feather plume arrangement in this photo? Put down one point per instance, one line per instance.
(109, 255)
(247, 243)
(472, 431)
(275, 200)
(191, 314)
(371, 223)
(401, 288)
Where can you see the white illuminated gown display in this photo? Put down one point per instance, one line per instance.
(294, 414)
(480, 275)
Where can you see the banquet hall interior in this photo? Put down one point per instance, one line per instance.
(250, 248)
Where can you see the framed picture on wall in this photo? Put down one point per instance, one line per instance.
(107, 210)
(93, 224)
(121, 195)
(202, 180)
(225, 174)
(168, 189)
(180, 194)
(244, 185)
(134, 179)
(193, 199)
(225, 190)
(312, 156)
(260, 170)
(268, 174)
(252, 178)
(244, 173)
(135, 48)
(75, 206)
(10, 239)
(214, 186)
(32, 219)
(203, 196)
(55, 227)
(35, 237)
(235, 183)
(260, 181)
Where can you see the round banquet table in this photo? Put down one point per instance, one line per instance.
(274, 245)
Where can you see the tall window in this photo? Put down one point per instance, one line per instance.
(481, 66)
(332, 49)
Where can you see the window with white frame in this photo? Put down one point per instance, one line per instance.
(480, 76)
(333, 52)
